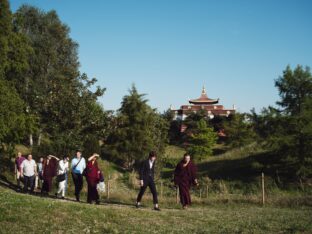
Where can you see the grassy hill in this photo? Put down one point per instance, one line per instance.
(230, 207)
(20, 213)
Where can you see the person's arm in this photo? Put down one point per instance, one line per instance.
(21, 169)
(35, 167)
(92, 157)
(54, 157)
(142, 173)
(15, 168)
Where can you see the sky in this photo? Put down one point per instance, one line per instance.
(170, 48)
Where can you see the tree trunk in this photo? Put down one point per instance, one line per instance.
(39, 138)
(31, 141)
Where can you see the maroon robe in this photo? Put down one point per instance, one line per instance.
(49, 171)
(93, 178)
(184, 177)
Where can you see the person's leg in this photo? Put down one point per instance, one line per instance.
(25, 184)
(79, 184)
(66, 182)
(154, 193)
(18, 179)
(36, 181)
(96, 195)
(32, 183)
(49, 184)
(75, 180)
(89, 194)
(141, 193)
(62, 188)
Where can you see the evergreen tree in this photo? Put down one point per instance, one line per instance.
(292, 136)
(201, 141)
(239, 130)
(139, 130)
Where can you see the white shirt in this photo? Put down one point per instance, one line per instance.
(150, 163)
(28, 167)
(62, 167)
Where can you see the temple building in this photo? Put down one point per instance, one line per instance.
(210, 106)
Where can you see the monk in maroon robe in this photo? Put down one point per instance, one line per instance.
(49, 168)
(93, 174)
(184, 178)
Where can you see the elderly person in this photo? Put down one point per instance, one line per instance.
(28, 169)
(93, 175)
(184, 177)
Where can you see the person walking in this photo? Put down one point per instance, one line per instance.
(61, 176)
(147, 180)
(18, 173)
(93, 175)
(29, 171)
(39, 177)
(184, 177)
(48, 172)
(78, 164)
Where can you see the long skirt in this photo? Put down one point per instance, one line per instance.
(185, 196)
(93, 194)
(47, 184)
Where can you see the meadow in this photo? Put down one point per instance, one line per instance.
(229, 206)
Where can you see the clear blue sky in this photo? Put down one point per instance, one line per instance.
(170, 48)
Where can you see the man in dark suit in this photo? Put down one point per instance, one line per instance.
(147, 180)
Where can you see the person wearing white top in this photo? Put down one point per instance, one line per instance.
(61, 176)
(29, 171)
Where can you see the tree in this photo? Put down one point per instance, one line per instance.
(14, 123)
(6, 27)
(53, 88)
(294, 88)
(201, 141)
(292, 138)
(139, 129)
(239, 130)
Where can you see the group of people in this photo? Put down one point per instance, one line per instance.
(32, 173)
(46, 169)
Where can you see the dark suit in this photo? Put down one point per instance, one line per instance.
(147, 175)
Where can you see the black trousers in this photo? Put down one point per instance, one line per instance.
(29, 181)
(78, 181)
(151, 184)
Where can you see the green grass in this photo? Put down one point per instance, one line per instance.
(232, 205)
(21, 213)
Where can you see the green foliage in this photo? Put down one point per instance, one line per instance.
(40, 62)
(201, 141)
(239, 130)
(14, 122)
(294, 88)
(6, 26)
(287, 131)
(139, 129)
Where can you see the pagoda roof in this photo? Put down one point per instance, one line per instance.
(203, 99)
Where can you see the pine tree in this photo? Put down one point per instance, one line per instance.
(139, 130)
(201, 141)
